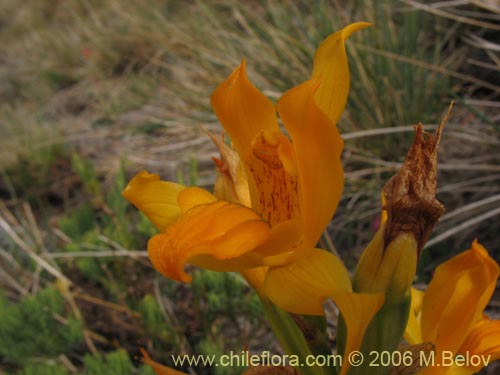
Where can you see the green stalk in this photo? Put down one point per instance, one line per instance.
(314, 330)
(290, 337)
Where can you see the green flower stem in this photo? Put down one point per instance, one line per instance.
(314, 330)
(291, 337)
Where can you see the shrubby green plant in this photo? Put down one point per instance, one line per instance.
(224, 293)
(154, 322)
(44, 369)
(115, 363)
(30, 329)
(214, 347)
(101, 219)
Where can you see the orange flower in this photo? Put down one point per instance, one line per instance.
(290, 188)
(274, 197)
(450, 312)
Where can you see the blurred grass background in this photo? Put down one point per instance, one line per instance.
(93, 91)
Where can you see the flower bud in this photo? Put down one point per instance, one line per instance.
(388, 264)
(410, 211)
(388, 269)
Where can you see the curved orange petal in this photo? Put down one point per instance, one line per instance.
(483, 339)
(318, 147)
(457, 296)
(155, 198)
(243, 110)
(357, 309)
(193, 196)
(232, 182)
(158, 368)
(255, 277)
(250, 120)
(332, 69)
(221, 231)
(302, 287)
(284, 237)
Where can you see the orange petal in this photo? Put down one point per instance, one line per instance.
(483, 339)
(302, 287)
(193, 196)
(232, 183)
(272, 166)
(250, 120)
(318, 147)
(158, 368)
(255, 277)
(156, 199)
(332, 69)
(221, 231)
(243, 110)
(357, 309)
(457, 296)
(285, 237)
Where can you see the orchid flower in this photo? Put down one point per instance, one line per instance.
(274, 197)
(450, 314)
(286, 191)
